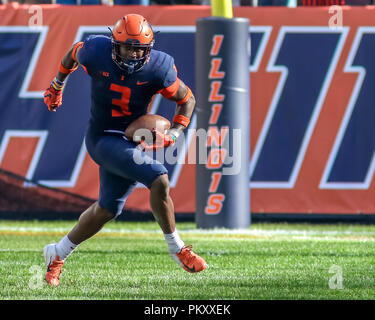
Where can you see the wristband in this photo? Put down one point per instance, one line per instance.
(57, 84)
(174, 133)
(183, 120)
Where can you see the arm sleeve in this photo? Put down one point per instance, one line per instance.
(171, 82)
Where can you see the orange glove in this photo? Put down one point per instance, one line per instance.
(161, 140)
(53, 98)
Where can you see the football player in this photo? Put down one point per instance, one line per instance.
(125, 74)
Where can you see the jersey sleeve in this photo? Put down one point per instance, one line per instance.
(170, 81)
(86, 55)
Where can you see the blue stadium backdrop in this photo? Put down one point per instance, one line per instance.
(312, 97)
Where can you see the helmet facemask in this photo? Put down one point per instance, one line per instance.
(127, 64)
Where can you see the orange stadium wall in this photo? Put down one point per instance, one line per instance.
(307, 74)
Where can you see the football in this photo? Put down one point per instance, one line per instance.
(141, 127)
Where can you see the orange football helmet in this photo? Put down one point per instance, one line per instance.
(132, 30)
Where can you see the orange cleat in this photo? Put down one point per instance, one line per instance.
(54, 265)
(189, 260)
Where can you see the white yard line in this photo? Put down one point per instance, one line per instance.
(208, 232)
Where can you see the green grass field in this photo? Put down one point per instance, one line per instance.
(130, 261)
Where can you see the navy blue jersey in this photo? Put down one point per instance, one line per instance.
(119, 98)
